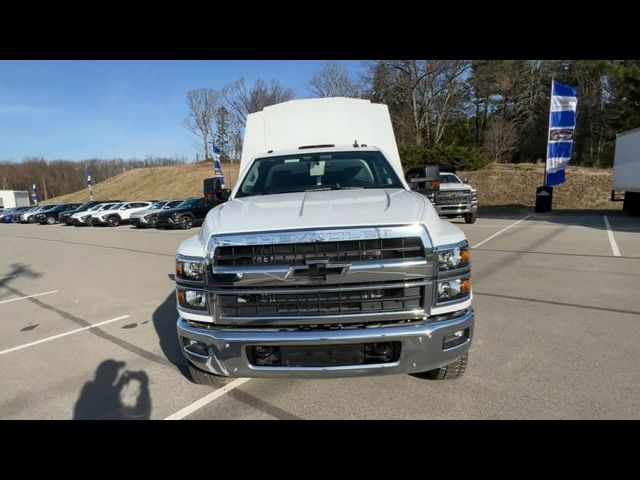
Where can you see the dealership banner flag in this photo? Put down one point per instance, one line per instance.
(216, 162)
(89, 185)
(562, 126)
(216, 157)
(34, 194)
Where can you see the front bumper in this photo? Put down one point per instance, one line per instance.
(80, 222)
(456, 209)
(165, 222)
(139, 222)
(95, 221)
(421, 348)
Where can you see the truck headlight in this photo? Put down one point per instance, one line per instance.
(453, 258)
(191, 299)
(190, 268)
(453, 289)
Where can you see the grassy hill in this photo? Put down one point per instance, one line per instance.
(176, 181)
(515, 184)
(586, 188)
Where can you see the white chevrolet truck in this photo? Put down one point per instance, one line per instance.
(323, 263)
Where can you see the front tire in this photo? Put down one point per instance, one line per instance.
(450, 371)
(113, 221)
(470, 217)
(51, 220)
(204, 378)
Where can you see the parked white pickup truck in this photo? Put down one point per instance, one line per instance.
(323, 263)
(456, 198)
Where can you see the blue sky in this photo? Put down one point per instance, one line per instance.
(106, 109)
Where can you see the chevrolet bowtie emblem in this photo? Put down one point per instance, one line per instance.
(317, 270)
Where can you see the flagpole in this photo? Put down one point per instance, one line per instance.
(546, 155)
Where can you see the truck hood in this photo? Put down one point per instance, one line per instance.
(330, 209)
(334, 208)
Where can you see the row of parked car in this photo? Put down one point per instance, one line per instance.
(183, 214)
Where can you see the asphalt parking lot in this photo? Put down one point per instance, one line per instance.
(87, 330)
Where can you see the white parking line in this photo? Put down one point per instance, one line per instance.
(60, 335)
(28, 296)
(499, 232)
(198, 404)
(612, 240)
(8, 276)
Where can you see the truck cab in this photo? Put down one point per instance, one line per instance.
(323, 262)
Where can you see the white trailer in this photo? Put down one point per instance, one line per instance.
(13, 198)
(626, 170)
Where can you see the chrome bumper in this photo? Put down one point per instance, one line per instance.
(457, 209)
(421, 348)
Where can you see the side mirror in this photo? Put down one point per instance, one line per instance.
(465, 180)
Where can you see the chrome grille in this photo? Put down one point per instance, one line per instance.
(319, 301)
(449, 198)
(300, 253)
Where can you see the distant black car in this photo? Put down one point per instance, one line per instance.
(189, 213)
(65, 217)
(51, 216)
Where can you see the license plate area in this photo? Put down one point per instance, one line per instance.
(314, 356)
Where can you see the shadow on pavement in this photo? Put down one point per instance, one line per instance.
(164, 322)
(17, 270)
(114, 394)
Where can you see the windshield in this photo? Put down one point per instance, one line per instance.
(187, 203)
(114, 206)
(106, 206)
(306, 172)
(449, 179)
(156, 205)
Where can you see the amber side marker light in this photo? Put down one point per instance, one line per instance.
(435, 184)
(465, 255)
(465, 286)
(182, 297)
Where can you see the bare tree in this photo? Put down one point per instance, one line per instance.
(332, 81)
(501, 139)
(430, 89)
(242, 101)
(202, 104)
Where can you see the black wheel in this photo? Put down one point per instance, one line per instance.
(153, 222)
(204, 378)
(449, 372)
(470, 217)
(113, 221)
(51, 220)
(186, 222)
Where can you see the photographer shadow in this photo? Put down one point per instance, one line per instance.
(114, 394)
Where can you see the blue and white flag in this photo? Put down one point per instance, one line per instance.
(216, 157)
(89, 185)
(34, 194)
(216, 163)
(562, 126)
